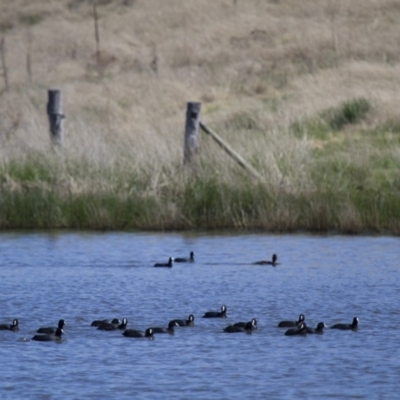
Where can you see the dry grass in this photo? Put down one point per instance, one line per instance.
(256, 66)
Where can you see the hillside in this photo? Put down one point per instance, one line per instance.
(259, 67)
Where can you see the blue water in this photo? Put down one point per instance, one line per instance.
(85, 276)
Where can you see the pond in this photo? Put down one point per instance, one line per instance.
(81, 277)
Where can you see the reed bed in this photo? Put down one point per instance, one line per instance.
(306, 92)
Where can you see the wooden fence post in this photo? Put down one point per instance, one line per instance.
(191, 149)
(28, 56)
(56, 117)
(3, 63)
(96, 31)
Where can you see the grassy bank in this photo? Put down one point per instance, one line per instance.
(307, 93)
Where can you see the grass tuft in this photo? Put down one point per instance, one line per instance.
(349, 112)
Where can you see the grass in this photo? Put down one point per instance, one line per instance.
(303, 91)
(349, 112)
(346, 198)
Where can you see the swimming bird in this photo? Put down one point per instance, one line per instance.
(170, 329)
(288, 324)
(319, 329)
(344, 327)
(301, 330)
(98, 322)
(48, 338)
(12, 327)
(216, 314)
(113, 327)
(168, 264)
(236, 328)
(266, 262)
(185, 322)
(51, 330)
(148, 333)
(185, 259)
(253, 324)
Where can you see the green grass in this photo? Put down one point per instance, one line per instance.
(208, 203)
(30, 171)
(349, 112)
(333, 119)
(349, 183)
(32, 19)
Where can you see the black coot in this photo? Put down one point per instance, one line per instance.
(113, 327)
(216, 314)
(300, 330)
(253, 323)
(185, 322)
(168, 264)
(185, 259)
(12, 327)
(319, 329)
(345, 327)
(289, 324)
(273, 262)
(170, 329)
(148, 333)
(51, 330)
(234, 328)
(98, 322)
(49, 338)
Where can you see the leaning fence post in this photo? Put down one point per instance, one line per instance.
(56, 116)
(231, 152)
(191, 149)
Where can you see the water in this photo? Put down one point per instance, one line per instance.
(85, 276)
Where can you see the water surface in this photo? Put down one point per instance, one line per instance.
(85, 276)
